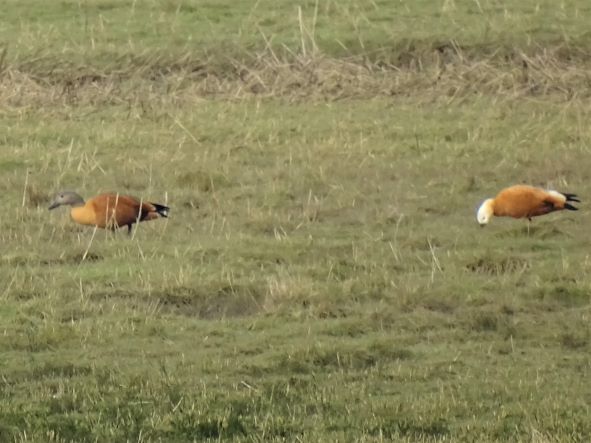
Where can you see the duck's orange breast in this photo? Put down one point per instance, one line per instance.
(83, 215)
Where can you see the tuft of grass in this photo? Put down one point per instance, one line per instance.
(499, 265)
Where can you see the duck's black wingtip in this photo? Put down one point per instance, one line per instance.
(571, 197)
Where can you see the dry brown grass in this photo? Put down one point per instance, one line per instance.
(446, 70)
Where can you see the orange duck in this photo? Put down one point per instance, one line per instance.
(521, 201)
(109, 211)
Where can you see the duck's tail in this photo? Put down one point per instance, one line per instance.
(570, 198)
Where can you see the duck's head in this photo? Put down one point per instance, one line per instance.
(66, 198)
(485, 212)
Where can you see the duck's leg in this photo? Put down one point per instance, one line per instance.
(129, 229)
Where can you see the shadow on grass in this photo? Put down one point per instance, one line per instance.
(211, 302)
(310, 360)
(395, 428)
(498, 265)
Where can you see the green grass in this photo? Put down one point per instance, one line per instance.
(322, 276)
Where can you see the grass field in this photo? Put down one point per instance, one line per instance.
(322, 276)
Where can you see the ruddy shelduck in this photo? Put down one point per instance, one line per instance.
(109, 211)
(522, 201)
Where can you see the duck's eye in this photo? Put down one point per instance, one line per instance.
(61, 195)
